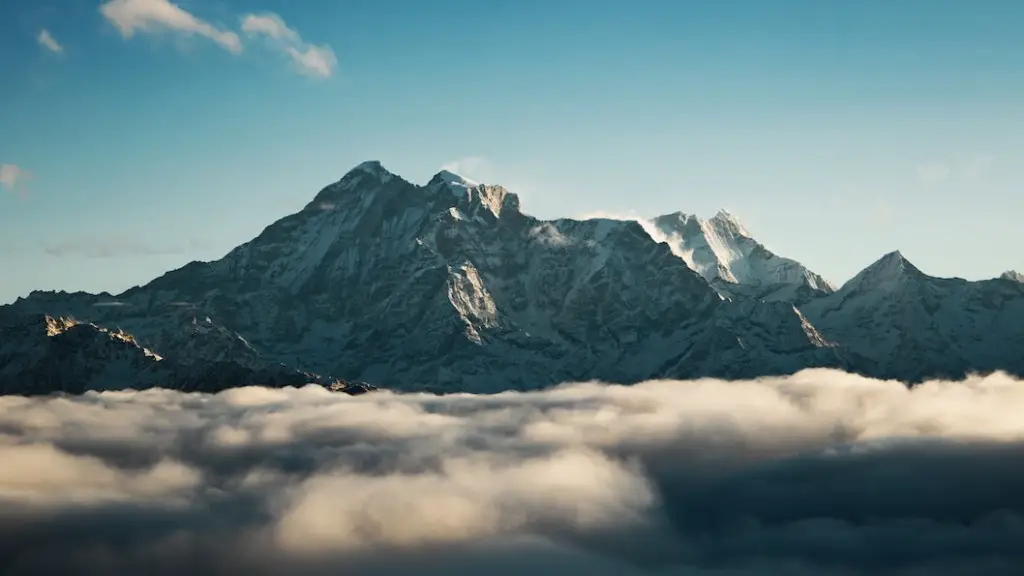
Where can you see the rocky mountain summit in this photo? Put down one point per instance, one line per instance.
(1012, 275)
(914, 326)
(449, 286)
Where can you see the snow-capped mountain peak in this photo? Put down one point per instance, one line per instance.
(452, 178)
(723, 251)
(727, 220)
(373, 167)
(366, 177)
(887, 273)
(495, 199)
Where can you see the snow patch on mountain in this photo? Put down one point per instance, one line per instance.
(453, 179)
(722, 251)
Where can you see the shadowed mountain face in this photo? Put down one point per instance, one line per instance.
(44, 355)
(914, 326)
(450, 287)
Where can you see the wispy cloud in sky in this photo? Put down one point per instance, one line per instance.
(309, 59)
(12, 177)
(46, 40)
(978, 166)
(476, 168)
(132, 16)
(968, 168)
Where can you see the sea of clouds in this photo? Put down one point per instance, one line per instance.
(817, 473)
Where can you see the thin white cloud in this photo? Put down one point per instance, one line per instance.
(605, 215)
(46, 40)
(132, 16)
(270, 25)
(978, 166)
(476, 168)
(12, 177)
(308, 59)
(821, 472)
(933, 173)
(631, 216)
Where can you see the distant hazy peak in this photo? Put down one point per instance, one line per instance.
(1012, 275)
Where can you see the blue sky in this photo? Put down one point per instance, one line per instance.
(136, 135)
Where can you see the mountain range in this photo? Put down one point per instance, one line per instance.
(450, 286)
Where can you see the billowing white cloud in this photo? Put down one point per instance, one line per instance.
(821, 472)
(12, 177)
(46, 40)
(317, 61)
(132, 16)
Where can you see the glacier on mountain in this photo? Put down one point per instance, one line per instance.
(724, 253)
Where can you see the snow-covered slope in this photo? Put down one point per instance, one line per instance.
(722, 251)
(913, 326)
(450, 287)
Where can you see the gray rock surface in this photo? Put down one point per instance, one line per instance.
(1012, 275)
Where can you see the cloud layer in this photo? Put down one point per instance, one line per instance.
(132, 16)
(818, 473)
(318, 61)
(12, 177)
